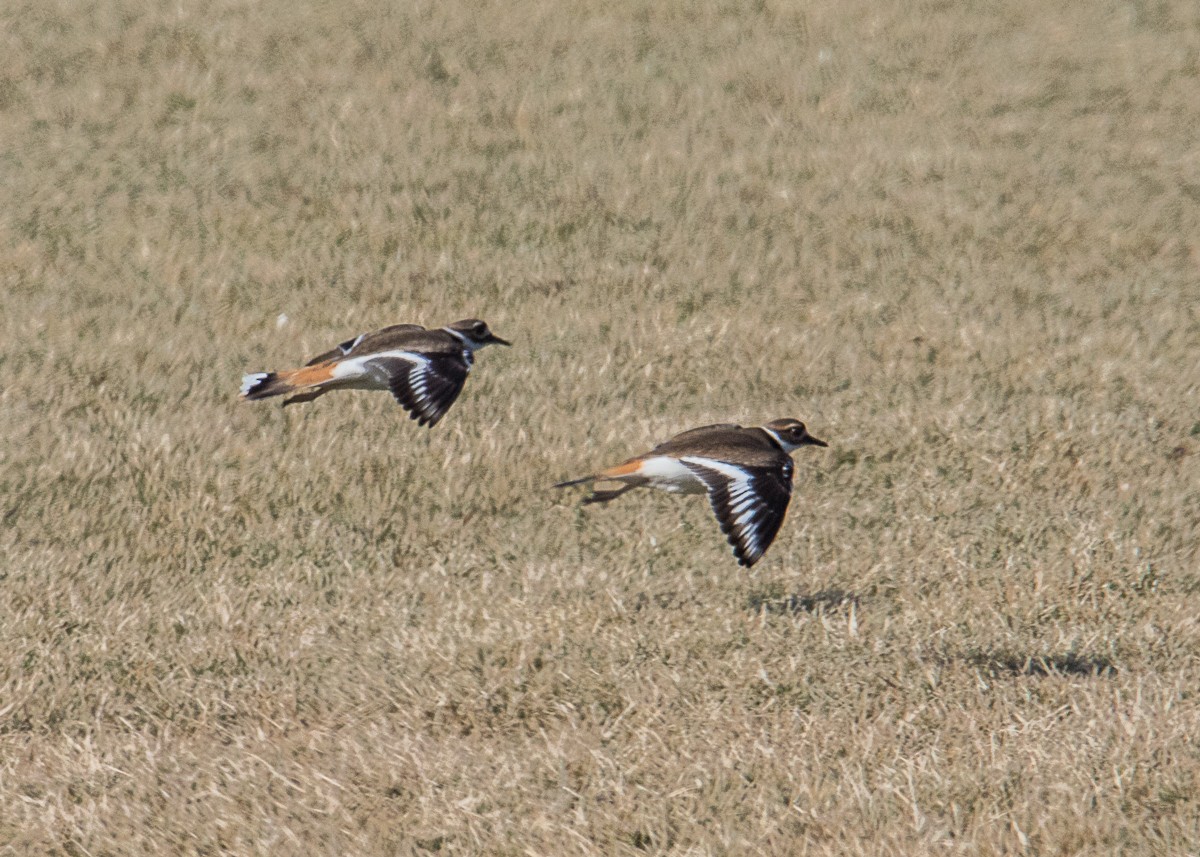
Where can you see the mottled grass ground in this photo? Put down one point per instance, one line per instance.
(962, 241)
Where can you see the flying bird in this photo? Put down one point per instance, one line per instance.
(423, 369)
(745, 471)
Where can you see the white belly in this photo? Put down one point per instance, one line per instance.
(670, 474)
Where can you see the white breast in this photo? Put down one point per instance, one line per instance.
(671, 474)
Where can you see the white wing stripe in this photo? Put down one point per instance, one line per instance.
(740, 478)
(356, 367)
(745, 506)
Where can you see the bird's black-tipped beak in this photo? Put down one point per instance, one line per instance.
(496, 339)
(813, 441)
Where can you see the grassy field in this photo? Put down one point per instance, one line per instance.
(960, 240)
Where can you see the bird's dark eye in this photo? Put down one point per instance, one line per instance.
(481, 328)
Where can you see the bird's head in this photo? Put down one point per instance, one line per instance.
(791, 434)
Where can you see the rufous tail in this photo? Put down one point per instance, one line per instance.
(306, 382)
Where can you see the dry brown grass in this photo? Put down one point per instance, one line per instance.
(961, 241)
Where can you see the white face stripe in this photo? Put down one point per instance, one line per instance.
(471, 344)
(787, 447)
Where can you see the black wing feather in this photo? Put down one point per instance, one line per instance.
(750, 508)
(426, 386)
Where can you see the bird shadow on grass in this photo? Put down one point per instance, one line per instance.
(823, 601)
(1069, 664)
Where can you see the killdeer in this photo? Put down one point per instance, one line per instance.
(746, 472)
(423, 369)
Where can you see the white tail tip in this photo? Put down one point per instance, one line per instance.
(249, 382)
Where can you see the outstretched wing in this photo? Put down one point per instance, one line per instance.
(749, 502)
(426, 385)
